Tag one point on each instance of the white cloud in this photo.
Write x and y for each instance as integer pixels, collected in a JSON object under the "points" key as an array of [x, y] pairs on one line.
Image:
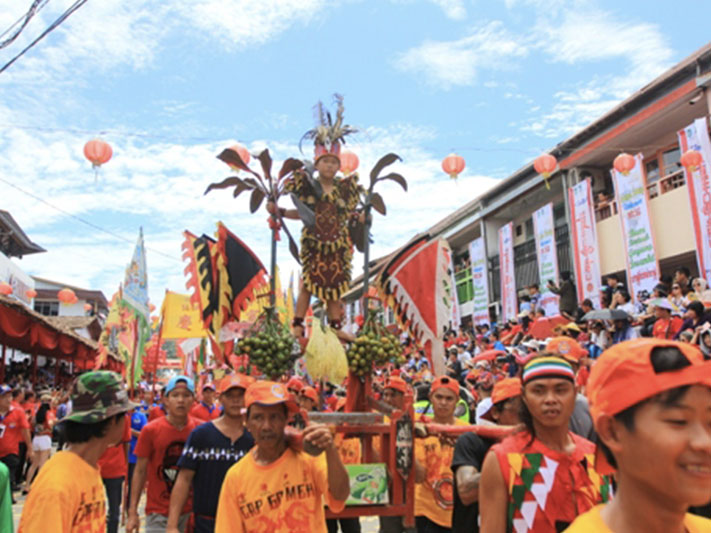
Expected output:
{"points": [[453, 9], [450, 63], [242, 23]]}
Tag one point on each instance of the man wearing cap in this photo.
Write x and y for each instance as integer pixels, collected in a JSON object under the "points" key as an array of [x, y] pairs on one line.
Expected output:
{"points": [[433, 457], [158, 449], [469, 453], [665, 326], [68, 496], [288, 487], [206, 409], [540, 479], [308, 399], [656, 434], [14, 428], [208, 454], [570, 350]]}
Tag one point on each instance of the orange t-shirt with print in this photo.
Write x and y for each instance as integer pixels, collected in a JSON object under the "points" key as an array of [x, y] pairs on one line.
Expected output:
{"points": [[68, 496], [592, 522], [434, 497], [286, 496]]}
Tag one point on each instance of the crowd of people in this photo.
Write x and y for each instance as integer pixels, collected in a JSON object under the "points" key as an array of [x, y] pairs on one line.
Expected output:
{"points": [[232, 455]]}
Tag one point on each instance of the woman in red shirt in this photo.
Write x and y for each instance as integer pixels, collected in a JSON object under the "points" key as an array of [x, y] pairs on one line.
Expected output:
{"points": [[42, 423]]}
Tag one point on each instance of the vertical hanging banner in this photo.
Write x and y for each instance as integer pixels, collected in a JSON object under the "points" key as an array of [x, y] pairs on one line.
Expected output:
{"points": [[698, 182], [547, 255], [454, 296], [633, 206], [586, 254], [477, 256], [506, 273]]}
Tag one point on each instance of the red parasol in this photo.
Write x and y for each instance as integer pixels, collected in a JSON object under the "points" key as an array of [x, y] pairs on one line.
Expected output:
{"points": [[488, 355], [543, 327]]}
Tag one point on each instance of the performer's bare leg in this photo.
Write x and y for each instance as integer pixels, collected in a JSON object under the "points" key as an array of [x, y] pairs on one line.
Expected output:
{"points": [[302, 305], [335, 313]]}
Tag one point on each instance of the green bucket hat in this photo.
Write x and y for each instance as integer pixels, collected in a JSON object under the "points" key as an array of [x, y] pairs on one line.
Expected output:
{"points": [[97, 396]]}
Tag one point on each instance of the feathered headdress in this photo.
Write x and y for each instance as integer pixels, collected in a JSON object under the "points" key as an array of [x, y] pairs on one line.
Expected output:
{"points": [[328, 135]]}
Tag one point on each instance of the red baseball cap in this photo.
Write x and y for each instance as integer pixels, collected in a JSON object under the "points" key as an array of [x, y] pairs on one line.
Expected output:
{"points": [[567, 347], [233, 381], [445, 382], [396, 383], [310, 393], [269, 393], [295, 383], [503, 390]]}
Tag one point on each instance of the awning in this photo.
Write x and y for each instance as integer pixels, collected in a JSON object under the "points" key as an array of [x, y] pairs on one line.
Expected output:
{"points": [[26, 330]]}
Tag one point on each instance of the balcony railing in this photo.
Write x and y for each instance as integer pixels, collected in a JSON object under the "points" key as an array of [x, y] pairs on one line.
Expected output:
{"points": [[667, 183]]}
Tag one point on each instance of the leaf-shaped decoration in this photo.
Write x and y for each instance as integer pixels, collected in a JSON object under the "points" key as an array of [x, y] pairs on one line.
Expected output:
{"points": [[386, 160], [266, 161], [378, 204], [357, 233], [289, 166], [306, 215], [252, 183], [396, 178], [239, 189], [228, 182], [256, 200], [232, 158], [293, 247]]}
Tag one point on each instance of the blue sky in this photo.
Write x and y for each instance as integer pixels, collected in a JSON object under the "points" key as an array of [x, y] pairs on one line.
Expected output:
{"points": [[170, 83]]}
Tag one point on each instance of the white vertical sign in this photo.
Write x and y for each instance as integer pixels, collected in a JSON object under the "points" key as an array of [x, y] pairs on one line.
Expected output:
{"points": [[480, 282], [506, 271], [698, 182], [587, 257], [633, 206], [547, 255]]}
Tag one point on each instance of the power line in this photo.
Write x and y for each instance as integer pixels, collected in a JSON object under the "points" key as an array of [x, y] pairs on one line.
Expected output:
{"points": [[64, 16], [23, 21], [84, 221]]}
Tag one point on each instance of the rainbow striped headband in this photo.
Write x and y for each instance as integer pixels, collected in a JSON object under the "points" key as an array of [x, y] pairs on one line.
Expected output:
{"points": [[547, 367]]}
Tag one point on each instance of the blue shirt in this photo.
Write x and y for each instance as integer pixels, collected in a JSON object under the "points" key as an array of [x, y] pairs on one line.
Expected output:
{"points": [[138, 420]]}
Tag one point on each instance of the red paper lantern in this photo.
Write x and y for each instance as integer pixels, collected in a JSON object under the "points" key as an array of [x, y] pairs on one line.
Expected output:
{"points": [[453, 165], [67, 296], [5, 288], [243, 153], [88, 307], [151, 307], [545, 164], [349, 162], [624, 163], [31, 293], [691, 159], [98, 152]]}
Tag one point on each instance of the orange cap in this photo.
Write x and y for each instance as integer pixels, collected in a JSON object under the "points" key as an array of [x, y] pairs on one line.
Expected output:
{"points": [[295, 383], [310, 393], [505, 389], [623, 375], [269, 393], [235, 381], [396, 383], [445, 382], [567, 347], [340, 404]]}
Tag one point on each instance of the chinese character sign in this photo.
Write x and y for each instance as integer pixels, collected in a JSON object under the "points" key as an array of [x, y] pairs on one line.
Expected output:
{"points": [[633, 206], [587, 257], [477, 256], [547, 255], [696, 137], [508, 278]]}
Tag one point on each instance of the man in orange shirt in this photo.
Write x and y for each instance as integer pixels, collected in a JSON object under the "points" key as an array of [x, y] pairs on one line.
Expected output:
{"points": [[666, 326], [288, 488], [434, 492], [655, 433], [68, 496], [14, 428]]}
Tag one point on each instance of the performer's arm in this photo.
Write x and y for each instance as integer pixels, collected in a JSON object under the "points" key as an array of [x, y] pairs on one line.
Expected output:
{"points": [[285, 213]]}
